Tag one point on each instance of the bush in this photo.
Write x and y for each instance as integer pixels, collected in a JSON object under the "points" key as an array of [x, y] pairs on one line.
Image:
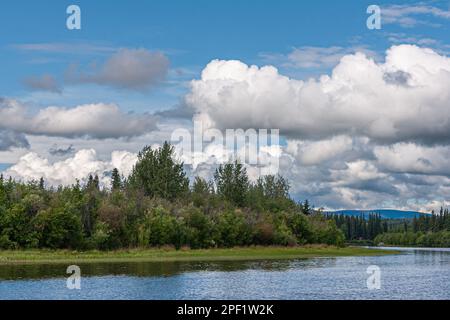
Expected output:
{"points": [[300, 227], [101, 237], [325, 231], [232, 229], [199, 229], [59, 229], [283, 236], [6, 243], [159, 228]]}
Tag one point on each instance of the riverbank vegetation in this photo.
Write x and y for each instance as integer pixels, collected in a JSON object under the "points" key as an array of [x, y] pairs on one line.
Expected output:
{"points": [[424, 231], [157, 206], [431, 230], [167, 254], [415, 239], [357, 228]]}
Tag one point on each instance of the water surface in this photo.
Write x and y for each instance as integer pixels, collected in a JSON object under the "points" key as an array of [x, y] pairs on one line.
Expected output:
{"points": [[413, 274]]}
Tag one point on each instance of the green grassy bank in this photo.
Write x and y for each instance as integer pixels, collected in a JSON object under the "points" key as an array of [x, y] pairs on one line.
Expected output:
{"points": [[162, 255]]}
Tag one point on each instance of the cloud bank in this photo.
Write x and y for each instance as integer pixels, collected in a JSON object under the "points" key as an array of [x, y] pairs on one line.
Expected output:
{"points": [[370, 134], [406, 98], [79, 167], [99, 121]]}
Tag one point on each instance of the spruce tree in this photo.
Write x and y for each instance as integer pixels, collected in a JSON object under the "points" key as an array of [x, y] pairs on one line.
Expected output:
{"points": [[116, 180]]}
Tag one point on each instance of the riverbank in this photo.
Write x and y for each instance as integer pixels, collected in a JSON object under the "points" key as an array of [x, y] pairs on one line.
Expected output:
{"points": [[162, 255]]}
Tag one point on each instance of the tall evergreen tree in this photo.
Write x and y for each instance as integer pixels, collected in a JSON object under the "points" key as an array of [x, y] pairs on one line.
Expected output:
{"points": [[116, 180]]}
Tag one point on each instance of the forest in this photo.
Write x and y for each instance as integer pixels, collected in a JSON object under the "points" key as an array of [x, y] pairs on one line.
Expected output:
{"points": [[424, 231], [157, 206], [432, 230]]}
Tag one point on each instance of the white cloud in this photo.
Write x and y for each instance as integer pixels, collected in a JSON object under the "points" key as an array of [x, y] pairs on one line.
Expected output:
{"points": [[369, 135], [314, 152], [412, 158], [360, 98], [32, 167], [357, 171], [124, 161], [92, 121], [258, 161]]}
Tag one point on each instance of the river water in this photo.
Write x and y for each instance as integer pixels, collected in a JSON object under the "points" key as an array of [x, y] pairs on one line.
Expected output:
{"points": [[412, 274]]}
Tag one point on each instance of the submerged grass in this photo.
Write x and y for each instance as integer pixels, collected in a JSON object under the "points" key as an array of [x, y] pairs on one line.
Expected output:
{"points": [[168, 254]]}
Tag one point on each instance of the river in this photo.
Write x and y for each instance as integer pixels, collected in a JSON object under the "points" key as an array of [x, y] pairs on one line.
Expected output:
{"points": [[412, 274]]}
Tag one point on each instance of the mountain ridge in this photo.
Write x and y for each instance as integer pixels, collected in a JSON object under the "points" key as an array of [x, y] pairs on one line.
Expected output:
{"points": [[384, 213]]}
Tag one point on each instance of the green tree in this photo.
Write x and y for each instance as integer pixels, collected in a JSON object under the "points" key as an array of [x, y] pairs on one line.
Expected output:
{"points": [[201, 191], [59, 229], [116, 180], [158, 174], [199, 229], [160, 228], [233, 229], [306, 207], [232, 183]]}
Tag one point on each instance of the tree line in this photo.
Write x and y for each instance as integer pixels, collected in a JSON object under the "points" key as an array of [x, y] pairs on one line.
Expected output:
{"points": [[157, 206], [360, 227], [431, 230], [424, 231], [432, 223]]}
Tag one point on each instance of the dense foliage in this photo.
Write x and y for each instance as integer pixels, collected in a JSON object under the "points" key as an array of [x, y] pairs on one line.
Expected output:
{"points": [[424, 231], [361, 227], [420, 239], [432, 223], [156, 206], [432, 230]]}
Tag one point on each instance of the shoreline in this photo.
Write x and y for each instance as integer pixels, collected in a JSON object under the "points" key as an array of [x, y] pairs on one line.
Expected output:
{"points": [[21, 257]]}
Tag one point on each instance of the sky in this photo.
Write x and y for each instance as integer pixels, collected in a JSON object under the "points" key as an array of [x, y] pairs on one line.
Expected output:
{"points": [[363, 114]]}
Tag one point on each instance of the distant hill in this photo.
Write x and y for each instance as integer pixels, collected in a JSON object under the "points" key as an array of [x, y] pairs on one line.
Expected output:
{"points": [[384, 213]]}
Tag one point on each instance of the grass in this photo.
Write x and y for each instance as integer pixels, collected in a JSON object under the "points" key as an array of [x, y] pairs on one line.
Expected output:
{"points": [[169, 255]]}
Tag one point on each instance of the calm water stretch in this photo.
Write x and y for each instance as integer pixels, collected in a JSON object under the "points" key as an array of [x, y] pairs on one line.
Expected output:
{"points": [[413, 274]]}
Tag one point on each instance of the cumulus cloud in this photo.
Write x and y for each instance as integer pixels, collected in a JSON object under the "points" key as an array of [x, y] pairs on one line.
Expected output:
{"points": [[356, 172], [32, 167], [412, 158], [92, 121], [369, 135], [133, 69], [45, 82], [314, 152], [258, 159], [406, 98]]}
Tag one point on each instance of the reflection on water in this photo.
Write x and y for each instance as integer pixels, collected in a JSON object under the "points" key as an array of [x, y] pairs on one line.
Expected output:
{"points": [[413, 274], [425, 256], [153, 269]]}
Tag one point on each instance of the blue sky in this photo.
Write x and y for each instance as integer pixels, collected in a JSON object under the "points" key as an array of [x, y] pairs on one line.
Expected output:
{"points": [[190, 34], [385, 160]]}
